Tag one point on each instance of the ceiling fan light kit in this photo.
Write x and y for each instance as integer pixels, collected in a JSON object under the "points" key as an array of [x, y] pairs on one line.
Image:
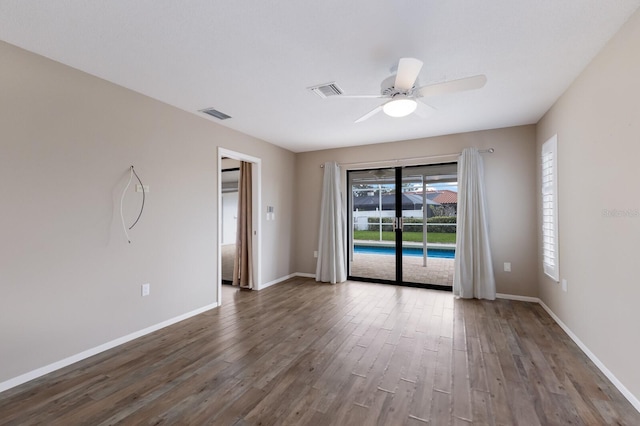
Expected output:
{"points": [[400, 106]]}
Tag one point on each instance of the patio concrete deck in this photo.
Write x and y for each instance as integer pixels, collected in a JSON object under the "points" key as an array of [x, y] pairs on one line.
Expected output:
{"points": [[438, 271]]}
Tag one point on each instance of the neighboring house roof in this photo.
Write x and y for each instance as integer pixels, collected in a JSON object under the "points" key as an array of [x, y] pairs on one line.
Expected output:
{"points": [[371, 202], [431, 195], [443, 196], [446, 197]]}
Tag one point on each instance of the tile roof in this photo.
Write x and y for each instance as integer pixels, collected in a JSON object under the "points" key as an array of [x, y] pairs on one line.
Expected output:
{"points": [[446, 197]]}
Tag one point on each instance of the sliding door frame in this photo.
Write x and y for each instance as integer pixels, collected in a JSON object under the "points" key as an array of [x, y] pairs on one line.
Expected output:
{"points": [[398, 175]]}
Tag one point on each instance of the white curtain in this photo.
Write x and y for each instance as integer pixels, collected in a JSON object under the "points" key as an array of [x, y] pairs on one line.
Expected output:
{"points": [[331, 266], [473, 268]]}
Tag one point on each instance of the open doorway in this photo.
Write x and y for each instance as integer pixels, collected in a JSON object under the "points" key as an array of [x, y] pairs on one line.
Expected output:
{"points": [[228, 200]]}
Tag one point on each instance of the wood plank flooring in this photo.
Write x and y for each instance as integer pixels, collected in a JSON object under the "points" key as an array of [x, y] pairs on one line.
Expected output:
{"points": [[302, 353]]}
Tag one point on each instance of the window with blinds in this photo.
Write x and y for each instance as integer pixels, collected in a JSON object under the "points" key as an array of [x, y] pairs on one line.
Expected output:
{"points": [[550, 208]]}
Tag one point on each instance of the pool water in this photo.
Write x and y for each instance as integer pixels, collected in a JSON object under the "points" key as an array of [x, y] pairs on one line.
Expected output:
{"points": [[406, 251]]}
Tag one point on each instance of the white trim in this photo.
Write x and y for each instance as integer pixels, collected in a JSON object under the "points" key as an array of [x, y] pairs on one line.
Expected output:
{"points": [[304, 274], [286, 277], [550, 189], [276, 281], [219, 231], [517, 297], [617, 383], [23, 378], [34, 374]]}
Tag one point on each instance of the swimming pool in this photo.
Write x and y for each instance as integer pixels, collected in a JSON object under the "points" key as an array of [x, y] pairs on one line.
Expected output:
{"points": [[406, 251]]}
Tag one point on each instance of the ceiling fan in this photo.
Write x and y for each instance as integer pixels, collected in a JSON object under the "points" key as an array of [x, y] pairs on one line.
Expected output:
{"points": [[404, 96]]}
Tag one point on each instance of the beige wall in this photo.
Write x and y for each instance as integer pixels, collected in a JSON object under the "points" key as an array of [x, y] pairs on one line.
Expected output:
{"points": [[68, 279], [510, 182], [598, 125]]}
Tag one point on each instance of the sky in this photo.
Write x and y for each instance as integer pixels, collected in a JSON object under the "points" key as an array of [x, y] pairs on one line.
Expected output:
{"points": [[440, 186]]}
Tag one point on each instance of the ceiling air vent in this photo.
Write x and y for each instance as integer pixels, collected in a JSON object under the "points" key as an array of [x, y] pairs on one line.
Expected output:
{"points": [[326, 90], [215, 113]]}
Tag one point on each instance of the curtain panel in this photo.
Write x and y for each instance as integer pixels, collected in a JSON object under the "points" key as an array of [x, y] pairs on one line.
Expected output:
{"points": [[331, 266], [473, 276]]}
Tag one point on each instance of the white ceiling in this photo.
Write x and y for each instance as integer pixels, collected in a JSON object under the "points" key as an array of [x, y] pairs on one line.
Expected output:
{"points": [[254, 59]]}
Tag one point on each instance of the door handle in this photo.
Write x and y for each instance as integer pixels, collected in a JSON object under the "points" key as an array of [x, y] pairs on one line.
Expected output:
{"points": [[398, 223]]}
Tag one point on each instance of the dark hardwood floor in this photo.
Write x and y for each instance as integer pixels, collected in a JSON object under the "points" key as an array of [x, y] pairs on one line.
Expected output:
{"points": [[349, 354]]}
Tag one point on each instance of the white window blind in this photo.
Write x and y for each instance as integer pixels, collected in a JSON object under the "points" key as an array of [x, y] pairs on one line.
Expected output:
{"points": [[550, 208]]}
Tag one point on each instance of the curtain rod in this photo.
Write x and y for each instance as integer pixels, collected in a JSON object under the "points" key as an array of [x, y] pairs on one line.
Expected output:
{"points": [[399, 160]]}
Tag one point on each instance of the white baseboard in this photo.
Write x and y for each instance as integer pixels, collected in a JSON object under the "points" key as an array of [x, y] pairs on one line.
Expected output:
{"points": [[276, 281], [516, 297], [23, 378], [617, 383], [304, 274], [286, 277]]}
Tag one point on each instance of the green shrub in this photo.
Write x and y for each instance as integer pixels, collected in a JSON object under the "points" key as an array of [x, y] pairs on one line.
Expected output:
{"points": [[412, 228], [443, 228]]}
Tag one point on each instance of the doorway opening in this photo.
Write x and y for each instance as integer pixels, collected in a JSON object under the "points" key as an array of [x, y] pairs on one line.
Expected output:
{"points": [[402, 225], [228, 215]]}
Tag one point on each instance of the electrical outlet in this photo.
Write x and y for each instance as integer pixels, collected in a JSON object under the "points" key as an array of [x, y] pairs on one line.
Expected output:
{"points": [[146, 289], [139, 188], [564, 285], [507, 266]]}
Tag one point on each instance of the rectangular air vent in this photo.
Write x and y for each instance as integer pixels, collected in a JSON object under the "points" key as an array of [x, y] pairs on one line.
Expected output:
{"points": [[326, 90], [215, 113]]}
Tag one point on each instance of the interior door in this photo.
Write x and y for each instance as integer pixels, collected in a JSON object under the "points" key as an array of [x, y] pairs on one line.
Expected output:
{"points": [[400, 232]]}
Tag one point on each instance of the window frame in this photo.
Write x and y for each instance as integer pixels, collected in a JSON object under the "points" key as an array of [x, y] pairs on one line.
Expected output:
{"points": [[549, 200]]}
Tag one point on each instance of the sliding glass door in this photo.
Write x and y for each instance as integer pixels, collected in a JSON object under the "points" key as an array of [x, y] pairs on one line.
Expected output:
{"points": [[372, 251], [403, 225]]}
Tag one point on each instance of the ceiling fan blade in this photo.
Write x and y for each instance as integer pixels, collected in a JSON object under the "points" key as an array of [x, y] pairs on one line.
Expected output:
{"points": [[369, 114], [408, 70], [424, 110], [468, 83]]}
